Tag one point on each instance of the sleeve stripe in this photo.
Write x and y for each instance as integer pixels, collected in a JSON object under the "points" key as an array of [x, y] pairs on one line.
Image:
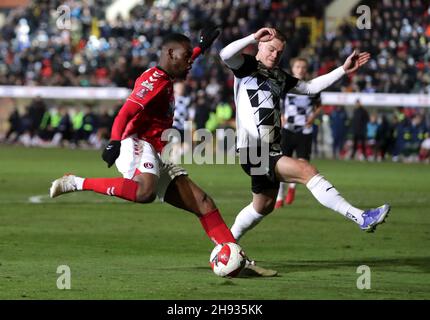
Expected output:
{"points": [[136, 102]]}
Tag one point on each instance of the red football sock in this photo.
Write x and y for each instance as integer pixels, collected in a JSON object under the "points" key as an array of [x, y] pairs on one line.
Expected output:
{"points": [[118, 187], [216, 228]]}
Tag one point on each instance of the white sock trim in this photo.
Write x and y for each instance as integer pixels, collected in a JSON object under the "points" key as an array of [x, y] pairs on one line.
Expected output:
{"points": [[314, 181], [79, 183], [254, 213]]}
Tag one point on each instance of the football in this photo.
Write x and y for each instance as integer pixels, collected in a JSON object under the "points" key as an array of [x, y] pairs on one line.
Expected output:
{"points": [[227, 259]]}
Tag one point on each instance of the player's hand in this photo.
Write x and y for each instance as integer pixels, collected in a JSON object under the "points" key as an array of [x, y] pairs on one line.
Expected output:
{"points": [[355, 61], [207, 36], [111, 152], [309, 124], [265, 34]]}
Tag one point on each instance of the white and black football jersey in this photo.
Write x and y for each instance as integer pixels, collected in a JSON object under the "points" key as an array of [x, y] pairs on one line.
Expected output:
{"points": [[297, 110], [258, 92], [181, 113]]}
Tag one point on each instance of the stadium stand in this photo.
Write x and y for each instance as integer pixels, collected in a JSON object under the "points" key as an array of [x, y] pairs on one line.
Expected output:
{"points": [[112, 53]]}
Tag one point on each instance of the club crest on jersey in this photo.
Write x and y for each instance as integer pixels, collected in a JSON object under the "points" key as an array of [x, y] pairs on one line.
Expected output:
{"points": [[142, 93], [149, 86], [148, 165]]}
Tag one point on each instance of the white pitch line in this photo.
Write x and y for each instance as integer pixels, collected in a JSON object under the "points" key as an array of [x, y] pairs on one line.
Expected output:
{"points": [[37, 199], [44, 198]]}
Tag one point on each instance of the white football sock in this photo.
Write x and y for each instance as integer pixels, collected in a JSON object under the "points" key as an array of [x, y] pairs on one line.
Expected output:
{"points": [[292, 186], [281, 191], [247, 219], [79, 183], [329, 197]]}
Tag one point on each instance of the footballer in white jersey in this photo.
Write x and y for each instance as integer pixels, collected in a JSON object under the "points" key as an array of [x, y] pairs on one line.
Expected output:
{"points": [[259, 85]]}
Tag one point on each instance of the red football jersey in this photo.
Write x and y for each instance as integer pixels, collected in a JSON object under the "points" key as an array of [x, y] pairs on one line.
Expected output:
{"points": [[153, 93]]}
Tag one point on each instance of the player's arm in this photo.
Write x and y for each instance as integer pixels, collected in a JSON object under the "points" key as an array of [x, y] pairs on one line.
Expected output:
{"points": [[316, 85], [313, 115], [232, 53], [139, 99], [284, 103], [126, 113]]}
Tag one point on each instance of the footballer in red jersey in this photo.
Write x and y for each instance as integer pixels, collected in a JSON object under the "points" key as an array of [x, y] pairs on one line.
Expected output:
{"points": [[136, 144]]}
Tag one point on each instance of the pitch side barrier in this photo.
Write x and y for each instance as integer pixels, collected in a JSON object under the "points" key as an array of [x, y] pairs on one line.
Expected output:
{"points": [[115, 93]]}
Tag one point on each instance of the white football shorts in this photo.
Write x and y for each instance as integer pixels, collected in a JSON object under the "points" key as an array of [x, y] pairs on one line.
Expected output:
{"points": [[140, 156]]}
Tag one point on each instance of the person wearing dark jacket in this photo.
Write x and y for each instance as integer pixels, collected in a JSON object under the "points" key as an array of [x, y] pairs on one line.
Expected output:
{"points": [[339, 128], [14, 125], [360, 118]]}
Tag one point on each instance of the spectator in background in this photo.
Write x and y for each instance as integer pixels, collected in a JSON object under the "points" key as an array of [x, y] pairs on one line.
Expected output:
{"points": [[48, 126], [339, 129], [89, 126], [63, 132], [37, 110], [85, 127], [384, 138], [14, 126], [372, 129], [203, 108], [418, 131], [409, 146], [105, 121], [360, 118], [401, 124]]}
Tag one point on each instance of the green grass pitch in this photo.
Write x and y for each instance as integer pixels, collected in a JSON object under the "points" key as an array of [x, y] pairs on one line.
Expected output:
{"points": [[121, 250]]}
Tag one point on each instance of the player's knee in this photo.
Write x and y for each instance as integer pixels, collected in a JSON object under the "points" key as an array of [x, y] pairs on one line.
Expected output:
{"points": [[146, 196], [266, 206], [308, 170]]}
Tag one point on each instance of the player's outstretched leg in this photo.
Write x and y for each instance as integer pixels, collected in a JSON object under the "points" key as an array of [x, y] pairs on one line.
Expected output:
{"points": [[141, 189], [300, 171], [185, 194], [262, 204]]}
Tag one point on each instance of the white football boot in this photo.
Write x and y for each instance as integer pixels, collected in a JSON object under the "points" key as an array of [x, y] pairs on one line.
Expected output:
{"points": [[65, 184]]}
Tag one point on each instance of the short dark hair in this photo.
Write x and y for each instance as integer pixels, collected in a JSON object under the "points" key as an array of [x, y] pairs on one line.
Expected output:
{"points": [[280, 35], [175, 38]]}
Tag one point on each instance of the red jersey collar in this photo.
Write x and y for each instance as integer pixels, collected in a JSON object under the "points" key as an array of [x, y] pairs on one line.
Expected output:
{"points": [[164, 72]]}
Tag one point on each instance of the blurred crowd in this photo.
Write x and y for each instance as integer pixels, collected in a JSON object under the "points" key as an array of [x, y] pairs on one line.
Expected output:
{"points": [[93, 51], [399, 43], [98, 52]]}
